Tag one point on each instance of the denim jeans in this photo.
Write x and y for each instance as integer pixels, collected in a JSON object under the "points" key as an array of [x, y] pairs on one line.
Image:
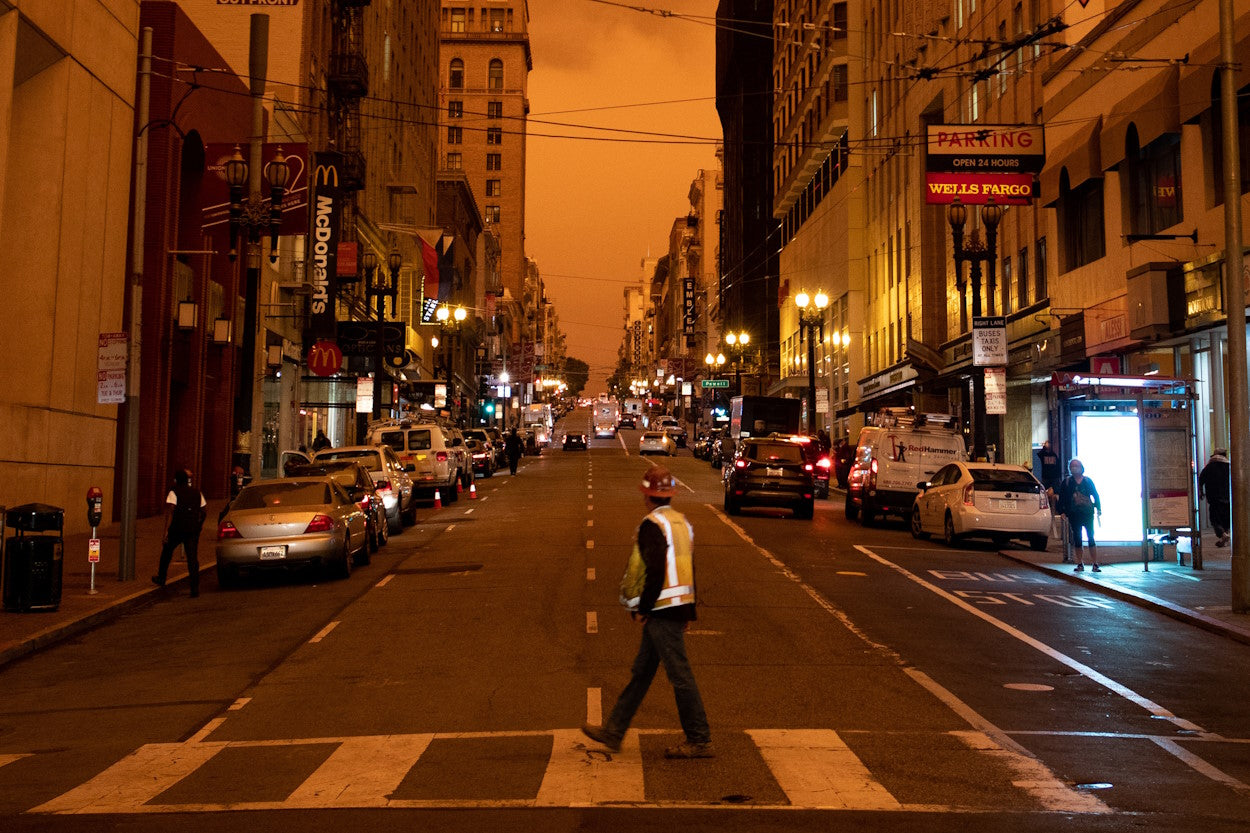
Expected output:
{"points": [[663, 640]]}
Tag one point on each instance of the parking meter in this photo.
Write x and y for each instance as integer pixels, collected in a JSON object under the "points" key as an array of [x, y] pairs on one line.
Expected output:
{"points": [[95, 506]]}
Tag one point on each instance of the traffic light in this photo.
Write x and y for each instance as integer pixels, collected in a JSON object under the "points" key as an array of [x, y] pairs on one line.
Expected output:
{"points": [[489, 408]]}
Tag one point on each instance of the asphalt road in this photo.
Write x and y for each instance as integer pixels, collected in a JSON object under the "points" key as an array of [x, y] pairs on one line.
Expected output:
{"points": [[854, 679]]}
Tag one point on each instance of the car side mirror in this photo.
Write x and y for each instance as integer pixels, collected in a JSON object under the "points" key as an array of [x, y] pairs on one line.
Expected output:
{"points": [[923, 485]]}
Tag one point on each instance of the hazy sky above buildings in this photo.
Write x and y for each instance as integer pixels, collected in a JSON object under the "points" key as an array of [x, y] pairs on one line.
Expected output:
{"points": [[595, 208]]}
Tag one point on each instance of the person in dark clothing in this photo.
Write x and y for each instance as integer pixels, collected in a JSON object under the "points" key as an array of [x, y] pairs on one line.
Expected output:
{"points": [[844, 457], [513, 449], [320, 441], [1078, 500], [1052, 470], [1214, 482], [185, 510], [658, 588]]}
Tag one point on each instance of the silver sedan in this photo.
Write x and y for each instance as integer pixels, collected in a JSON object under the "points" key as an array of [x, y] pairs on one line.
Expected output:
{"points": [[293, 522], [656, 442]]}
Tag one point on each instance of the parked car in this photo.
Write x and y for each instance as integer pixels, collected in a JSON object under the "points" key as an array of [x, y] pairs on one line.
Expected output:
{"points": [[574, 442], [769, 471], [497, 442], [989, 500], [721, 450], [821, 463], [360, 487], [393, 481], [288, 523], [482, 456], [656, 442], [484, 436], [428, 449]]}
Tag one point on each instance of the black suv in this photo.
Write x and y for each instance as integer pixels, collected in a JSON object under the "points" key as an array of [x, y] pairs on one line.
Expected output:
{"points": [[769, 472]]}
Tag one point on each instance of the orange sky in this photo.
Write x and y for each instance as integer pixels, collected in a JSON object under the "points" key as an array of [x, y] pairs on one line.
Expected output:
{"points": [[593, 208]]}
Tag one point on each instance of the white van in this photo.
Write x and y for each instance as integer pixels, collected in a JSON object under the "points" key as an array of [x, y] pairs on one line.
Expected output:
{"points": [[431, 450], [900, 450]]}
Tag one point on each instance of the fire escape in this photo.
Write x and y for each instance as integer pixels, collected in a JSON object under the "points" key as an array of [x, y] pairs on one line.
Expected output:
{"points": [[348, 83]]}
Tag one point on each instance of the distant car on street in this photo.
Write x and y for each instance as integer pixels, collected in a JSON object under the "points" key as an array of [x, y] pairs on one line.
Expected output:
{"points": [[574, 442], [656, 442]]}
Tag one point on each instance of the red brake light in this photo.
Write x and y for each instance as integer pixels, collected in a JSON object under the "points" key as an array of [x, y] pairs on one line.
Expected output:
{"points": [[740, 464], [968, 499], [383, 485], [824, 462], [441, 456], [225, 530], [873, 467], [320, 523]]}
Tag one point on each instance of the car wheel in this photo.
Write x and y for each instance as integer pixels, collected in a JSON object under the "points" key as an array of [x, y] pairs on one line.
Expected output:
{"points": [[852, 511], [396, 526], [868, 513], [361, 557], [805, 510], [227, 576], [948, 531], [1038, 543], [917, 527], [450, 494], [372, 535], [384, 532], [342, 566], [1000, 541]]}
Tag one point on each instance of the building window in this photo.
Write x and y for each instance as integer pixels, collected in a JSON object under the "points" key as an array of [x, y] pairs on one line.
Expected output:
{"points": [[456, 21], [1217, 142], [1154, 184], [494, 188], [456, 78], [1004, 280], [492, 214], [1081, 223], [455, 109], [494, 22], [494, 109], [494, 135], [455, 135], [1040, 276], [454, 161], [1022, 279], [839, 20], [494, 162], [495, 74], [839, 82]]}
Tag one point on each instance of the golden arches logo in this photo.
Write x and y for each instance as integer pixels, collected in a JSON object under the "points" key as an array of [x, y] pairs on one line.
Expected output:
{"points": [[326, 175]]}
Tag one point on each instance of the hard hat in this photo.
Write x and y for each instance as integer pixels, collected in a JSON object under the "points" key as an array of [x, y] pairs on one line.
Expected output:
{"points": [[658, 482]]}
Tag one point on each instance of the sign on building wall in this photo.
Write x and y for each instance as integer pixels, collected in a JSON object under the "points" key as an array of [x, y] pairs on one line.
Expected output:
{"points": [[323, 240], [989, 341], [215, 193], [995, 390], [687, 305], [976, 163]]}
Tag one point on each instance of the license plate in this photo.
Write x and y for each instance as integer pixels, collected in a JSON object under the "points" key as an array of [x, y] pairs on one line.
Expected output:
{"points": [[1009, 505], [772, 472], [272, 553]]}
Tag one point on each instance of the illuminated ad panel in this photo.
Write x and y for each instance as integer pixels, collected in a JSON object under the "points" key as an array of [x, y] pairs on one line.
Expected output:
{"points": [[977, 163]]}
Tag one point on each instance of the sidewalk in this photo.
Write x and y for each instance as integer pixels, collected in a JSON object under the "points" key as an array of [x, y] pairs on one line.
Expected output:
{"points": [[25, 633]]}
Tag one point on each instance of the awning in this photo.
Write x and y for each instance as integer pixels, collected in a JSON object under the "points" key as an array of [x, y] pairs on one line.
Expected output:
{"points": [[1194, 87], [1078, 155], [1152, 108]]}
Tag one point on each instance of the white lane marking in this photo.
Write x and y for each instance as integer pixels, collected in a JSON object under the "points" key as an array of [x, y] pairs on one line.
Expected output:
{"points": [[483, 497], [590, 507], [590, 523], [815, 768], [361, 772], [624, 447], [449, 528], [8, 759], [592, 622], [851, 573], [1034, 777], [135, 780], [1080, 667], [1200, 766], [385, 580], [594, 706], [590, 544], [239, 704], [683, 483], [468, 511], [206, 730], [580, 774], [324, 632], [589, 496], [590, 574]]}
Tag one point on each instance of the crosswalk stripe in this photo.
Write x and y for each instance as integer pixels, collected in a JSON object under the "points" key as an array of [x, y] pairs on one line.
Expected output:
{"points": [[135, 780], [1034, 777], [815, 768], [578, 776], [361, 772], [8, 759]]}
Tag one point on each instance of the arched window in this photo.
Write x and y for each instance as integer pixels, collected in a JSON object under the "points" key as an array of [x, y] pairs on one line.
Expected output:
{"points": [[456, 77], [495, 74]]}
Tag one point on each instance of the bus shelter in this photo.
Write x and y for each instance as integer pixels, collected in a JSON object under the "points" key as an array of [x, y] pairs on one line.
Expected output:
{"points": [[1137, 438]]}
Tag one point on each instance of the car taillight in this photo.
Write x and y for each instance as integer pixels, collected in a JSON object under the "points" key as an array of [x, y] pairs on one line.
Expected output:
{"points": [[808, 467], [479, 456], [320, 523], [1043, 500], [383, 485], [364, 504], [225, 530], [441, 456], [824, 462], [873, 466], [968, 501], [741, 464]]}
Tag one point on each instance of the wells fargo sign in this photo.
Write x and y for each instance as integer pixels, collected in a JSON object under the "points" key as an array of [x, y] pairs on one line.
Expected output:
{"points": [[973, 189], [977, 163]]}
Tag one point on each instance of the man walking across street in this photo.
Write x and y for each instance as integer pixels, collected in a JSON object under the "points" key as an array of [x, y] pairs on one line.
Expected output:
{"points": [[658, 589], [513, 450], [1215, 484], [185, 510]]}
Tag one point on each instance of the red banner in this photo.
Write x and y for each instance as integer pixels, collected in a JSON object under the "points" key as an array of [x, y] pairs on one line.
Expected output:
{"points": [[429, 259]]}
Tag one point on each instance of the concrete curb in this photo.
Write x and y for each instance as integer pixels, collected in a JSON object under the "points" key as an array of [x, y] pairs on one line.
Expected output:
{"points": [[1175, 611]]}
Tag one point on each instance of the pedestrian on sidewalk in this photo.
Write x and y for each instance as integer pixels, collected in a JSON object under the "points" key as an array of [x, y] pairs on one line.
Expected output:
{"points": [[1052, 469], [1078, 502], [844, 457], [1215, 483], [185, 510], [321, 441], [658, 590], [513, 450]]}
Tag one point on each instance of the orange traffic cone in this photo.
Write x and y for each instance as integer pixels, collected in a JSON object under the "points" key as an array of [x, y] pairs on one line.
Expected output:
{"points": [[438, 500], [472, 491], [459, 486]]}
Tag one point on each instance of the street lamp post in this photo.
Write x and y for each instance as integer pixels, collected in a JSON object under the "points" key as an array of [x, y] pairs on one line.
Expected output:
{"points": [[737, 347], [811, 319], [714, 363], [449, 318], [975, 253], [380, 289]]}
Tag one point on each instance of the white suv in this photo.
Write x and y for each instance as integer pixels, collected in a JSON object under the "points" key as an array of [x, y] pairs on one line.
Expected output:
{"points": [[426, 446]]}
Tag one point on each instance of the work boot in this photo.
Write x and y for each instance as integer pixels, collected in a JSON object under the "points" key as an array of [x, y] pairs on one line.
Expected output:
{"points": [[600, 735], [686, 749], [159, 581]]}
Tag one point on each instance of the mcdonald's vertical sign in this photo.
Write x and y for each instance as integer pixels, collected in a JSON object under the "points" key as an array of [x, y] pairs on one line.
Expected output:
{"points": [[326, 202]]}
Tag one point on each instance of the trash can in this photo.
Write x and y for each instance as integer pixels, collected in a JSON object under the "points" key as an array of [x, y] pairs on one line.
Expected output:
{"points": [[33, 557]]}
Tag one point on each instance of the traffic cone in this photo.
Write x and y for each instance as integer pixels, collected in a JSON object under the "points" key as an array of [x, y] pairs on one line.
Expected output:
{"points": [[473, 491], [438, 500], [459, 487]]}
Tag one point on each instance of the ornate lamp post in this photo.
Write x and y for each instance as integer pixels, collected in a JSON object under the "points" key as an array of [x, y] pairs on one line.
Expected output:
{"points": [[714, 363], [380, 288], [449, 318], [976, 253], [811, 318], [737, 347]]}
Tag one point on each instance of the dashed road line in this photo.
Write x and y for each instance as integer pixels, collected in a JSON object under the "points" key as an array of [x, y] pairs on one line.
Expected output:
{"points": [[590, 545], [592, 622], [239, 704], [385, 580], [590, 574], [324, 632]]}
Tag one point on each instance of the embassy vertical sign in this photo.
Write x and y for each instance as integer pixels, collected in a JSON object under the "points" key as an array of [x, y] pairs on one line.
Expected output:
{"points": [[976, 163], [326, 213]]}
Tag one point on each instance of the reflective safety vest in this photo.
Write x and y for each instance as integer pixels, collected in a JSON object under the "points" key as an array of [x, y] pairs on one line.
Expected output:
{"points": [[679, 563]]}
